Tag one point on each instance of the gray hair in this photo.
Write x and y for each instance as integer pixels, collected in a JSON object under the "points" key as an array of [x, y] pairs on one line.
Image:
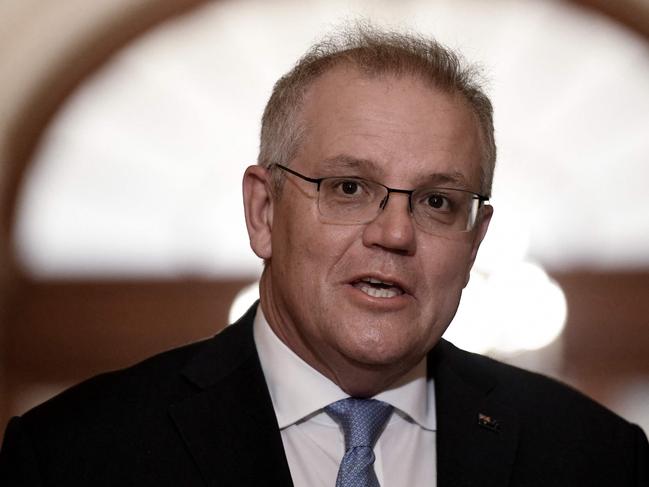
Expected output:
{"points": [[373, 52]]}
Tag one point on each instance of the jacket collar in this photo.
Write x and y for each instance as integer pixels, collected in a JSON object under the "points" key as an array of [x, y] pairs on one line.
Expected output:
{"points": [[229, 425]]}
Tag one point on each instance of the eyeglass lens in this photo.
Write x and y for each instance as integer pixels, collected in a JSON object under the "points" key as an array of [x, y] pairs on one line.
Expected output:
{"points": [[356, 200]]}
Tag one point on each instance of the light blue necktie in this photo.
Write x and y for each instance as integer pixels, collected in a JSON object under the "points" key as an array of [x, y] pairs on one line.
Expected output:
{"points": [[362, 421]]}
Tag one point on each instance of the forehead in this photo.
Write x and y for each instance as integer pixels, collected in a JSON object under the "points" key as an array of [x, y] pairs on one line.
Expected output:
{"points": [[394, 127]]}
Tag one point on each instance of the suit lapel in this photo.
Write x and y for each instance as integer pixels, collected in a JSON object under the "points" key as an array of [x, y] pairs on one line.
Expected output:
{"points": [[477, 435], [229, 425], [230, 428]]}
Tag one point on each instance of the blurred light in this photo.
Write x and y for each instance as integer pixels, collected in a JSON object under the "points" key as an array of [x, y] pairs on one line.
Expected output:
{"points": [[242, 301], [515, 308], [632, 402]]}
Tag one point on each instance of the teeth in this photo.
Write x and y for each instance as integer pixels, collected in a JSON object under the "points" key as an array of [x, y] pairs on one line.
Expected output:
{"points": [[371, 280], [379, 292]]}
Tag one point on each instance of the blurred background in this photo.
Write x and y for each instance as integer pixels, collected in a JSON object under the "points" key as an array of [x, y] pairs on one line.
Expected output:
{"points": [[125, 128]]}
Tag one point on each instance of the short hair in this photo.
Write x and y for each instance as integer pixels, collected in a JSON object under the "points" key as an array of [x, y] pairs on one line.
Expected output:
{"points": [[373, 52]]}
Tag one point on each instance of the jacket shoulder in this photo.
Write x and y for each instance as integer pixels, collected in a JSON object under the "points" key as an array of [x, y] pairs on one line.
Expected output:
{"points": [[117, 425], [162, 379], [558, 436], [536, 395]]}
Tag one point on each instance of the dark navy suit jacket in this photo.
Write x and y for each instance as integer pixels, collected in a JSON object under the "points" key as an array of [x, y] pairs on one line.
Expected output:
{"points": [[201, 415]]}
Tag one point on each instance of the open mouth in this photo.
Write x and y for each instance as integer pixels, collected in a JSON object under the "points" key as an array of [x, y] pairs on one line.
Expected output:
{"points": [[377, 288]]}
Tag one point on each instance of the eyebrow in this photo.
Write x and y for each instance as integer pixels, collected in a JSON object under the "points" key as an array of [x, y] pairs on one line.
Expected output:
{"points": [[455, 178], [343, 162]]}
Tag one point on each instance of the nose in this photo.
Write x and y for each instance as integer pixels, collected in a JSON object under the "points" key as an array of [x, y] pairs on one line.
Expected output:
{"points": [[393, 228]]}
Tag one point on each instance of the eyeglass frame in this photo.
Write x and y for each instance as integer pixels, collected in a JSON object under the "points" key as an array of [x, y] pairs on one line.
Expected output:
{"points": [[482, 199]]}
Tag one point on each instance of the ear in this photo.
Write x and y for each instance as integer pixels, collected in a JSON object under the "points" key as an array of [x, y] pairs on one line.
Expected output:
{"points": [[486, 212], [258, 208]]}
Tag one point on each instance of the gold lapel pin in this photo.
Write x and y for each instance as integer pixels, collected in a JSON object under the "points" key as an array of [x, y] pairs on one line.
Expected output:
{"points": [[488, 422]]}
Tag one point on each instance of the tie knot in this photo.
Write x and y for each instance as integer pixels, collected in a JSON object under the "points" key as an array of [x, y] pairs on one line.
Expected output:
{"points": [[362, 420]]}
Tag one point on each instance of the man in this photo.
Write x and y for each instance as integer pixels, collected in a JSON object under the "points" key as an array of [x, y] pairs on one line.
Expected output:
{"points": [[368, 207]]}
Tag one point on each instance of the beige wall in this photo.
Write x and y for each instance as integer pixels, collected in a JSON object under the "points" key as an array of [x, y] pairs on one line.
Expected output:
{"points": [[36, 41], [36, 37], [46, 49]]}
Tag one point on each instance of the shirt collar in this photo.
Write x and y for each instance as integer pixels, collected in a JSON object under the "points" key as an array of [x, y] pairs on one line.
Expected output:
{"points": [[288, 377], [414, 395]]}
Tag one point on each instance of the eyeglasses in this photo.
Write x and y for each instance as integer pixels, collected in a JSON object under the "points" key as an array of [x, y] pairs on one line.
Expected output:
{"points": [[354, 200]]}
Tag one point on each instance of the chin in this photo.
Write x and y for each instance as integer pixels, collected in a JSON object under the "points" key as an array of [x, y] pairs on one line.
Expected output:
{"points": [[378, 354]]}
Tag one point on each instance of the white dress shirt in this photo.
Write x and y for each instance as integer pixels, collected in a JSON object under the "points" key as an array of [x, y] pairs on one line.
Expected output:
{"points": [[314, 443]]}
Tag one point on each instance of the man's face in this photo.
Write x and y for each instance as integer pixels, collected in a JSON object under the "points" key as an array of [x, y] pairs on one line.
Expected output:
{"points": [[404, 134]]}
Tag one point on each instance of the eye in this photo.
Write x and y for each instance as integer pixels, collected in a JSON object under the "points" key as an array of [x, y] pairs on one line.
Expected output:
{"points": [[348, 190], [438, 202], [349, 187]]}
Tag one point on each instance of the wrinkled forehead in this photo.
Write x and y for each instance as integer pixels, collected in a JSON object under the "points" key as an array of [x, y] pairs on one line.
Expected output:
{"points": [[377, 125], [349, 165]]}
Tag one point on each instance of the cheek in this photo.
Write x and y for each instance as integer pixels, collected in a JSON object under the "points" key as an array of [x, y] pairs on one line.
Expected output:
{"points": [[445, 260], [307, 252], [444, 271]]}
